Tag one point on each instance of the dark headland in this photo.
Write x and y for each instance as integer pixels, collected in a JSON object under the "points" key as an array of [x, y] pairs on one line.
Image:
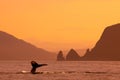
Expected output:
{"points": [[12, 48], [106, 49], [108, 46]]}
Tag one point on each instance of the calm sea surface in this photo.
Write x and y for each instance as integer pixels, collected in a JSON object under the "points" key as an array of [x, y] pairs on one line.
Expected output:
{"points": [[66, 70]]}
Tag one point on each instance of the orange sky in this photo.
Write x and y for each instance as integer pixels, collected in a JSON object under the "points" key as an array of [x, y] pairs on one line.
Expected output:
{"points": [[58, 24]]}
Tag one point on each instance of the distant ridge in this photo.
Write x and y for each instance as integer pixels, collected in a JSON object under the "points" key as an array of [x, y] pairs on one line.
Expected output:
{"points": [[12, 48]]}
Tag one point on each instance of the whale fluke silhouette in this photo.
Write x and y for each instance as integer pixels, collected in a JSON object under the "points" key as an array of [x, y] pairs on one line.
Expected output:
{"points": [[35, 65]]}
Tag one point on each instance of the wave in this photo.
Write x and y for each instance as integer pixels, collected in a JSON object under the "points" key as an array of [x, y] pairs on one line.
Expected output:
{"points": [[49, 72], [58, 72], [42, 72], [96, 72]]}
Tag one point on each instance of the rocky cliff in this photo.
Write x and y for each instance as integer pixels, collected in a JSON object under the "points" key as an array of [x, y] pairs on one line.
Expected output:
{"points": [[108, 46]]}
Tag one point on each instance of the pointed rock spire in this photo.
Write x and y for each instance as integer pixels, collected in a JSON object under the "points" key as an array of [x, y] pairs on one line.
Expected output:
{"points": [[60, 56]]}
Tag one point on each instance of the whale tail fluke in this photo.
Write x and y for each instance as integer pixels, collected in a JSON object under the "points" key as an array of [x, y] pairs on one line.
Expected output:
{"points": [[35, 65]]}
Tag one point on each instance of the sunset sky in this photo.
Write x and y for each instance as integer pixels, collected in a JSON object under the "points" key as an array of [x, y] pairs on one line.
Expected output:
{"points": [[58, 24]]}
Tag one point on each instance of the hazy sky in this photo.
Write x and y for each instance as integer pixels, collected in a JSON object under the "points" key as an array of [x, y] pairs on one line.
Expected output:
{"points": [[58, 24]]}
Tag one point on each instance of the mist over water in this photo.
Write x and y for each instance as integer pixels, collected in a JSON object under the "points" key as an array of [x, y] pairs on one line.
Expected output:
{"points": [[66, 70]]}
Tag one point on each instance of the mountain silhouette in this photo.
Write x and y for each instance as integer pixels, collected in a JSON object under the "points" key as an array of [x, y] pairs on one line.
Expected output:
{"points": [[12, 48], [108, 46]]}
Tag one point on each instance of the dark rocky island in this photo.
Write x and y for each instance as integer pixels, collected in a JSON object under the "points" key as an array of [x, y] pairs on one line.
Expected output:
{"points": [[60, 56], [12, 48], [72, 56]]}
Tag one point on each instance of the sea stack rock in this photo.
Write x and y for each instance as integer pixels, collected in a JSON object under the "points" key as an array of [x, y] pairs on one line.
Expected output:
{"points": [[72, 56], [60, 56], [108, 47]]}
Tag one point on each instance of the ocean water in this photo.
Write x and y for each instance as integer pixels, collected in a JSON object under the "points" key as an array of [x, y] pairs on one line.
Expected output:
{"points": [[66, 70]]}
